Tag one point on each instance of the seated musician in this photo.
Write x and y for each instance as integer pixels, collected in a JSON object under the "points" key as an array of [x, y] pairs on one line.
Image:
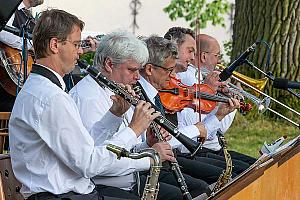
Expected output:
{"points": [[155, 76], [208, 57], [17, 20], [119, 57], [52, 153], [219, 119]]}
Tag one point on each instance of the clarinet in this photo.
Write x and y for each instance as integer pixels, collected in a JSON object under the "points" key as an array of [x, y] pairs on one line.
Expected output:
{"points": [[190, 144], [174, 166]]}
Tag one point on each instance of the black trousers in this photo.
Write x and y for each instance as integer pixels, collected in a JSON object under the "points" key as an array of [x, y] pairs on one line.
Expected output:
{"points": [[201, 170], [166, 191], [109, 191], [234, 155], [169, 187], [208, 166], [218, 160], [195, 186], [70, 196]]}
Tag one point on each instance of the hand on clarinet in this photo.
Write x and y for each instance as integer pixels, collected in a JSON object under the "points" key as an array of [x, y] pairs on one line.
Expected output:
{"points": [[202, 131], [165, 152], [143, 115], [152, 138], [120, 105]]}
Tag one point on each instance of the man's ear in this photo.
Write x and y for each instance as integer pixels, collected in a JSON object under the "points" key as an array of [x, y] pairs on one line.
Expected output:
{"points": [[108, 65], [202, 57], [148, 69], [53, 45]]}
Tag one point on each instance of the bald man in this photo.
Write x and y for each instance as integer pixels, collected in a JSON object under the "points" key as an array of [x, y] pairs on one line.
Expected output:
{"points": [[208, 56], [208, 52]]}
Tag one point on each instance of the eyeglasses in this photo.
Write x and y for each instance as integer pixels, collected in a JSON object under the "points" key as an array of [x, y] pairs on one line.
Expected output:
{"points": [[218, 55], [77, 45], [164, 68]]}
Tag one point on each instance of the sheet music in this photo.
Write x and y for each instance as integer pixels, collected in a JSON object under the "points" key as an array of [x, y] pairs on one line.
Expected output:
{"points": [[290, 143]]}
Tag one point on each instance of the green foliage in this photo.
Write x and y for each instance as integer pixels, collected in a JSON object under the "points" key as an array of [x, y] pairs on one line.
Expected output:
{"points": [[198, 9], [89, 57]]}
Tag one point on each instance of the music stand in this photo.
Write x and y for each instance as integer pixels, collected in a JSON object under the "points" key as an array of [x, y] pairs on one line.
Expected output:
{"points": [[7, 8]]}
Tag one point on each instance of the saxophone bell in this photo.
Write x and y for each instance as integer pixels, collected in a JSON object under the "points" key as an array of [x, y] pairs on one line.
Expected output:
{"points": [[119, 151], [152, 186]]}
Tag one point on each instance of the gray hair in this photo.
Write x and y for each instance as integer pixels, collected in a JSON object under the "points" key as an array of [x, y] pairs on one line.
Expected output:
{"points": [[160, 48], [120, 47]]}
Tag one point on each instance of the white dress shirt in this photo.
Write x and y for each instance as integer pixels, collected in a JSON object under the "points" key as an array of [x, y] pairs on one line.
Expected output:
{"points": [[189, 77], [51, 151], [11, 39], [93, 102], [188, 116]]}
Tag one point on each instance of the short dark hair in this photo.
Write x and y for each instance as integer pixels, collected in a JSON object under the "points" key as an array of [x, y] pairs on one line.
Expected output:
{"points": [[178, 34], [53, 23]]}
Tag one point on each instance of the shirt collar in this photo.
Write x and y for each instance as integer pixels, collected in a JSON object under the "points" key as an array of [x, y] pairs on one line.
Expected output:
{"points": [[61, 80], [149, 89], [22, 5]]}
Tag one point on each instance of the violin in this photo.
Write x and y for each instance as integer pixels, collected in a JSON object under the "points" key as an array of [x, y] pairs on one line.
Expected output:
{"points": [[178, 96]]}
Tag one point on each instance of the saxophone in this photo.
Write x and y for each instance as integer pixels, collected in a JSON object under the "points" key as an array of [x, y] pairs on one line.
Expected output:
{"points": [[152, 186], [226, 174]]}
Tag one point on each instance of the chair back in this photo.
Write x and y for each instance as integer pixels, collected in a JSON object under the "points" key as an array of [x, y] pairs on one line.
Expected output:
{"points": [[9, 185], [4, 119]]}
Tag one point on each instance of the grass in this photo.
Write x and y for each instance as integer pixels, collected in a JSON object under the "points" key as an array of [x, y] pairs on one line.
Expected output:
{"points": [[248, 133]]}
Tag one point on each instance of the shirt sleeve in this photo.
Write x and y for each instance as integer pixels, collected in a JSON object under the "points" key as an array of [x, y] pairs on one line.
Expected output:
{"points": [[141, 145], [227, 121], [99, 121], [212, 124], [73, 145], [188, 117], [108, 124]]}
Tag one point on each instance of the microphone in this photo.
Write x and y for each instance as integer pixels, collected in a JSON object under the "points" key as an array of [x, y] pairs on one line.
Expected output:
{"points": [[227, 72], [281, 83]]}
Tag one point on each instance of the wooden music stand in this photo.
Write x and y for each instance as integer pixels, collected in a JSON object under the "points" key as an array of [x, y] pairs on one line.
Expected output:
{"points": [[274, 177]]}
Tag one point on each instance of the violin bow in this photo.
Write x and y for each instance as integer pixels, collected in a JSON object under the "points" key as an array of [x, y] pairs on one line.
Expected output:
{"points": [[197, 61]]}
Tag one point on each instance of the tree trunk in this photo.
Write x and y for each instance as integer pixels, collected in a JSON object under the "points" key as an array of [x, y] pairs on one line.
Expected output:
{"points": [[276, 22]]}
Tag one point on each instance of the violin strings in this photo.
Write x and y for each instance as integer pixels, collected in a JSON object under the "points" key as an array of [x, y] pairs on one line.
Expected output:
{"points": [[210, 97]]}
